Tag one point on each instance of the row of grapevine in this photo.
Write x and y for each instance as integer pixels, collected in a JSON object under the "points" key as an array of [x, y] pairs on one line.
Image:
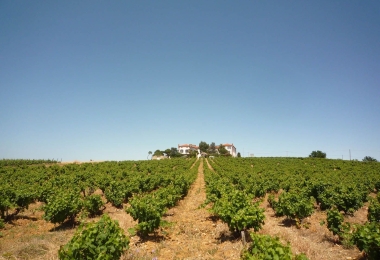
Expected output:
{"points": [[297, 186], [60, 186], [366, 237], [25, 162], [236, 208], [342, 184], [232, 205], [69, 191], [148, 208]]}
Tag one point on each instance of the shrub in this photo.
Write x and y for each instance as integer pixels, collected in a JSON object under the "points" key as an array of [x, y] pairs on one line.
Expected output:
{"points": [[92, 204], [235, 209], [101, 240], [301, 257], [147, 211], [374, 211], [294, 204], [369, 159], [115, 194], [336, 225], [266, 247], [24, 196], [65, 204], [334, 221], [347, 199], [6, 197], [367, 239], [317, 154]]}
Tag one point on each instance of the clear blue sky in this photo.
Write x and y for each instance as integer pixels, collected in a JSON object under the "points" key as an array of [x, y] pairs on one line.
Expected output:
{"points": [[112, 80]]}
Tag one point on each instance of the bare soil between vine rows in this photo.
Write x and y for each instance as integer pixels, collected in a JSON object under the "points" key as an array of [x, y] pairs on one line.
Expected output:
{"points": [[190, 232]]}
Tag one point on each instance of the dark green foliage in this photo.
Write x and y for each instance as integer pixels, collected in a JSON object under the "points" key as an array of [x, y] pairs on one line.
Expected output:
{"points": [[212, 148], [2, 225], [23, 184], [334, 221], [369, 159], [158, 153], [293, 204], [24, 196], [374, 210], [115, 193], [301, 257], [24, 162], [235, 209], [222, 150], [214, 189], [63, 205], [92, 204], [272, 201], [172, 152], [317, 154], [20, 197], [6, 196], [169, 196], [367, 239], [345, 198], [46, 191], [265, 247], [148, 208], [203, 146], [101, 240], [258, 190], [192, 154], [147, 211]]}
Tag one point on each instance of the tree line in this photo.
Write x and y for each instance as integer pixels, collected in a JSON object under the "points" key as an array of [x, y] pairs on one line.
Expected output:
{"points": [[320, 154]]}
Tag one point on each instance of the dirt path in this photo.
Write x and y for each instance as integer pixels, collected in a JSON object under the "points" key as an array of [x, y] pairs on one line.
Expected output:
{"points": [[192, 233]]}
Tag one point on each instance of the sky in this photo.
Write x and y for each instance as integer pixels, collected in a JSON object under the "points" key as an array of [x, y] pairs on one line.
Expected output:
{"points": [[113, 80]]}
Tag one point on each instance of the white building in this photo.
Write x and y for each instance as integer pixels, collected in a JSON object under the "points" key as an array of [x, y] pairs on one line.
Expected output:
{"points": [[231, 149], [186, 148]]}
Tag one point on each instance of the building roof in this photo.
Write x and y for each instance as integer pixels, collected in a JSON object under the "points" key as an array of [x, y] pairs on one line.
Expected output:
{"points": [[217, 146], [196, 146], [188, 145]]}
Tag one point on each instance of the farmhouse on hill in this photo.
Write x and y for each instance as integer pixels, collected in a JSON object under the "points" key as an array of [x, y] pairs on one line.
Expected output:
{"points": [[186, 148]]}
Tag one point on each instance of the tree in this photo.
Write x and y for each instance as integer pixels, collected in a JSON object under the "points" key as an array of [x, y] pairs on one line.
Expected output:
{"points": [[174, 152], [238, 155], [203, 146], [369, 159], [149, 153], [192, 154], [317, 154], [167, 152], [158, 153], [223, 150], [212, 148]]}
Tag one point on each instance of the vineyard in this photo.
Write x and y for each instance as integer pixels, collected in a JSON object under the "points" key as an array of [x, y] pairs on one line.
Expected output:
{"points": [[221, 208]]}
